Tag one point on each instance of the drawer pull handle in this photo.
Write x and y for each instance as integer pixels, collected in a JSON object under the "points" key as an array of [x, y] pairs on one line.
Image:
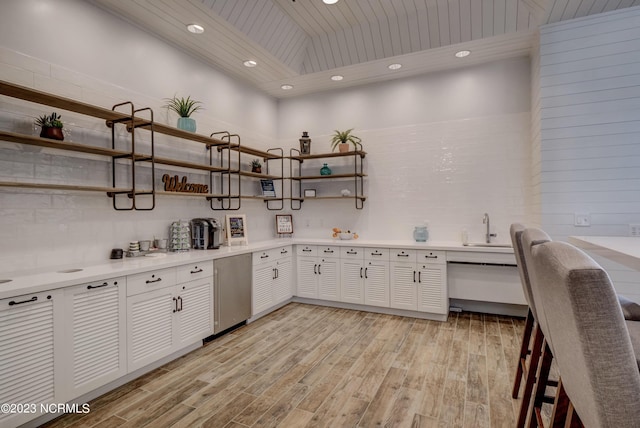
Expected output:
{"points": [[365, 273], [360, 272], [403, 255], [175, 305], [33, 299], [197, 271], [319, 273], [266, 256], [414, 276], [328, 251], [151, 281], [180, 300], [315, 269], [91, 287], [283, 252], [306, 250], [431, 257], [420, 277], [352, 252], [376, 254]]}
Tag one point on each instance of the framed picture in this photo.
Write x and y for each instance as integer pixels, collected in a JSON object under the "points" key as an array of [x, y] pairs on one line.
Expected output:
{"points": [[309, 193], [284, 223], [236, 229], [268, 189]]}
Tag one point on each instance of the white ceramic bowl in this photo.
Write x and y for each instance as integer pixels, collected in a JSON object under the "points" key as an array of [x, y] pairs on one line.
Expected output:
{"points": [[345, 236]]}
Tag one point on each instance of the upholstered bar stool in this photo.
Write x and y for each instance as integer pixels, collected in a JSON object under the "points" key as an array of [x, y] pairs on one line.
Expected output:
{"points": [[537, 376], [591, 343]]}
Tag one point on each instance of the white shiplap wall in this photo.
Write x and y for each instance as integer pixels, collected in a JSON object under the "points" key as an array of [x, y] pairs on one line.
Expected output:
{"points": [[534, 207], [590, 128]]}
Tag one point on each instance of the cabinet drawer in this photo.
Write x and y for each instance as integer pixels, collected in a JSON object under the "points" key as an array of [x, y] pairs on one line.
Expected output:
{"points": [[352, 253], [306, 250], [400, 255], [193, 271], [376, 254], [281, 252], [152, 280], [328, 251], [426, 256]]}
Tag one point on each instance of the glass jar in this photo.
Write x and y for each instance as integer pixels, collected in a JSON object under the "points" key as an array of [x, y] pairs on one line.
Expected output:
{"points": [[420, 234], [325, 170]]}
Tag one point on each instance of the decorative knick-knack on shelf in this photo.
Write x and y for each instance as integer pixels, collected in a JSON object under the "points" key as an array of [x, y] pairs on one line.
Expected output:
{"points": [[256, 166], [305, 143], [51, 126], [185, 107], [325, 170]]}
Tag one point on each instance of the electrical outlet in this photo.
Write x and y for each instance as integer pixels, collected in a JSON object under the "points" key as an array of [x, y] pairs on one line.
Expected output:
{"points": [[634, 230], [582, 219]]}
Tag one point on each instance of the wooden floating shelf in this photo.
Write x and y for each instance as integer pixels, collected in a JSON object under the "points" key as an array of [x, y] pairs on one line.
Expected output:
{"points": [[302, 158], [196, 195], [190, 165], [259, 175], [326, 177], [362, 198], [64, 187], [60, 145], [39, 97]]}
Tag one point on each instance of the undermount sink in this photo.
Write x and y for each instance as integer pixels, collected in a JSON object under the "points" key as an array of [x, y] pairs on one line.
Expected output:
{"points": [[70, 270], [483, 244], [3, 281]]}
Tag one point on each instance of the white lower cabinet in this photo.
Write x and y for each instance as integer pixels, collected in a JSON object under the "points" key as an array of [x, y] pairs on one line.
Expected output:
{"points": [[365, 276], [418, 281], [168, 318], [319, 272], [94, 346], [272, 281], [29, 332]]}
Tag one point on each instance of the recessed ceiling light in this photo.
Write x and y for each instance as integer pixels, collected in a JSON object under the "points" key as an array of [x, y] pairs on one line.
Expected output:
{"points": [[286, 87], [337, 77], [330, 1], [250, 63], [195, 28], [462, 54], [395, 66]]}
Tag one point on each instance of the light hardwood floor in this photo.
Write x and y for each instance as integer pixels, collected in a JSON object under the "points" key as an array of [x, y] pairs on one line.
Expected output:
{"points": [[313, 366]]}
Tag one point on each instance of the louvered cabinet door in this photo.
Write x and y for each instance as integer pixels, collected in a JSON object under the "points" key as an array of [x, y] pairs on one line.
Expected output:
{"points": [[352, 281], [262, 288], [307, 277], [150, 326], [95, 335], [283, 283], [195, 311], [27, 353], [403, 286], [376, 283], [329, 279], [432, 288]]}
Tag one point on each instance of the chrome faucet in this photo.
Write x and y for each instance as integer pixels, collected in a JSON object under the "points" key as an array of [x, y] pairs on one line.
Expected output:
{"points": [[489, 235]]}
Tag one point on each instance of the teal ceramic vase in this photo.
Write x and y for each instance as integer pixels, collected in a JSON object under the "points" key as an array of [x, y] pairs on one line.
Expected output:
{"points": [[325, 170], [187, 124]]}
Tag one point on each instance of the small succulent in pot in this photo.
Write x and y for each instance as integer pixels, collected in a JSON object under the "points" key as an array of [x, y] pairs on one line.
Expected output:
{"points": [[256, 165], [51, 126], [341, 139]]}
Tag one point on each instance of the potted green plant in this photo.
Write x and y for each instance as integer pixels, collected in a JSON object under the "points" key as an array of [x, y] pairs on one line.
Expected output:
{"points": [[341, 139], [256, 166], [51, 126], [185, 107]]}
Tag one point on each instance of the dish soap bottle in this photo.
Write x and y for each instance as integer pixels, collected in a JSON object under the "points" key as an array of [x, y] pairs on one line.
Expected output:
{"points": [[325, 170], [421, 233]]}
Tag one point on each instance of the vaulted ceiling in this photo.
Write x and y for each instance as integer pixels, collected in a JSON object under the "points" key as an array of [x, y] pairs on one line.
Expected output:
{"points": [[303, 43]]}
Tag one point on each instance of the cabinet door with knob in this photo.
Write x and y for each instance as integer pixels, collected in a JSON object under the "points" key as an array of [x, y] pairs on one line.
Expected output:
{"points": [[95, 318], [194, 310]]}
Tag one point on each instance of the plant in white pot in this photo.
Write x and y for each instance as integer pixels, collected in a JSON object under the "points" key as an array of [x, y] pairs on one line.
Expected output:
{"points": [[341, 140], [185, 107]]}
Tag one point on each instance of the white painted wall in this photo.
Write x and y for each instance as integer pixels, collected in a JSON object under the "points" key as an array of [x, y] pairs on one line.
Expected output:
{"points": [[590, 128], [73, 49], [446, 147]]}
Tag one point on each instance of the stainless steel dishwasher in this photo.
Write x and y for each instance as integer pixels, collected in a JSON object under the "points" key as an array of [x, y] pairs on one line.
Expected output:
{"points": [[231, 291]]}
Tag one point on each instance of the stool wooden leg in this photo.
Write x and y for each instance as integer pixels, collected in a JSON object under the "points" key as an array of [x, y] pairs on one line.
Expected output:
{"points": [[524, 351], [560, 407], [536, 352], [541, 384]]}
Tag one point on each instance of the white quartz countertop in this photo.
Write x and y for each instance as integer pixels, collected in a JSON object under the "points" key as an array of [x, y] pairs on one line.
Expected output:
{"points": [[50, 278], [621, 249]]}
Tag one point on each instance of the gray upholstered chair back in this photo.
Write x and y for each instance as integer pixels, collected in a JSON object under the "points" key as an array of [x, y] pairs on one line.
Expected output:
{"points": [[591, 342], [531, 237], [516, 230]]}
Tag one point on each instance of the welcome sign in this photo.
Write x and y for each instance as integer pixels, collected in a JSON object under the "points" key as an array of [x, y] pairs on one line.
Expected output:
{"points": [[174, 184]]}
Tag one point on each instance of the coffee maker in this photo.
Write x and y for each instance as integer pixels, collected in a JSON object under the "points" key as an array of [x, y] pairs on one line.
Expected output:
{"points": [[205, 233]]}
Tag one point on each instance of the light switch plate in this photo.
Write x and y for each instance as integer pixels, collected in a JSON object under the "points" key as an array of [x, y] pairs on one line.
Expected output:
{"points": [[582, 219]]}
